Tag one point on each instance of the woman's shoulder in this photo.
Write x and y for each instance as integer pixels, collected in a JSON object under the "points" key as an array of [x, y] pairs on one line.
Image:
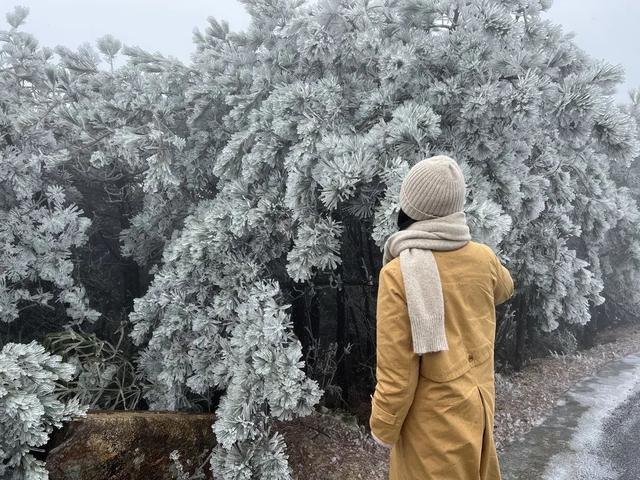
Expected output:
{"points": [[482, 252], [473, 255], [392, 267], [391, 277], [480, 248]]}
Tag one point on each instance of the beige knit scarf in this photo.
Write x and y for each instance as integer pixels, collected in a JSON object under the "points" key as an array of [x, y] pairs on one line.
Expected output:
{"points": [[423, 290]]}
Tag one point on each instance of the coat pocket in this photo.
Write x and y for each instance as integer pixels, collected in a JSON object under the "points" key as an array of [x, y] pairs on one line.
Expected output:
{"points": [[444, 369], [380, 413]]}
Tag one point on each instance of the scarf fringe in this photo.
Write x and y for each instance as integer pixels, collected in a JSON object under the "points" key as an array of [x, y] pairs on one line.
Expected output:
{"points": [[429, 335]]}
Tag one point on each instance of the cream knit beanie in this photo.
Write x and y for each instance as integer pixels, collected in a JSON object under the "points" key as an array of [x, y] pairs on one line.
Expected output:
{"points": [[434, 187]]}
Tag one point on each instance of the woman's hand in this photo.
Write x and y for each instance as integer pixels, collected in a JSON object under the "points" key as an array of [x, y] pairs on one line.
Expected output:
{"points": [[380, 442]]}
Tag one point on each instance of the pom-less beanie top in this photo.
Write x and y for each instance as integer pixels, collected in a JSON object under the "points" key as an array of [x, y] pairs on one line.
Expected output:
{"points": [[434, 187]]}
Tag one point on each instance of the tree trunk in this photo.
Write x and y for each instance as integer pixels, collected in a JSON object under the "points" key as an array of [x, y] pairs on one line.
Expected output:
{"points": [[521, 333], [342, 374], [299, 320]]}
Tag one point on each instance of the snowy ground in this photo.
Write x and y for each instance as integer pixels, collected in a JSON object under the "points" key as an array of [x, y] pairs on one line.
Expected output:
{"points": [[579, 440], [524, 399]]}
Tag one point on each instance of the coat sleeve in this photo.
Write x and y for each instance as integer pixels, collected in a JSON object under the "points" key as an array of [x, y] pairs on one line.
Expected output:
{"points": [[503, 289], [397, 366]]}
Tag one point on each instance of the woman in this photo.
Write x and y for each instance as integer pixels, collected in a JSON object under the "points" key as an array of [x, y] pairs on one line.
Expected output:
{"points": [[434, 400]]}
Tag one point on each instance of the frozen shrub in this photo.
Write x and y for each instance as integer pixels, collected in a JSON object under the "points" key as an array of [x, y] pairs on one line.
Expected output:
{"points": [[30, 407]]}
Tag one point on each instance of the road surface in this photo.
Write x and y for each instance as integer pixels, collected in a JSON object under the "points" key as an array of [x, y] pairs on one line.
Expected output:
{"points": [[593, 433], [621, 439]]}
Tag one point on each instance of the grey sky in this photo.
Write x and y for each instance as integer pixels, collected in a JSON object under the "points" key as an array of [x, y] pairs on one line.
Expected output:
{"points": [[165, 26], [607, 31]]}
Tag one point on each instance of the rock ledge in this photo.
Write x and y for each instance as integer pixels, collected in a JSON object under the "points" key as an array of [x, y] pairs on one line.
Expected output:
{"points": [[129, 445]]}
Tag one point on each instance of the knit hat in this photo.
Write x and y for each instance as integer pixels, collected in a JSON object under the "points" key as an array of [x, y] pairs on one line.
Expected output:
{"points": [[434, 187]]}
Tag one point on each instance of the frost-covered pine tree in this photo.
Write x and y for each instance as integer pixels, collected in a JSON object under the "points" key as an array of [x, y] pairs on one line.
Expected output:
{"points": [[29, 407], [621, 251], [253, 161], [309, 120], [39, 227], [127, 129]]}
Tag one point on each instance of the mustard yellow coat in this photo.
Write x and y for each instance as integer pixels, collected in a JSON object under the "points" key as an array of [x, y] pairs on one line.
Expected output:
{"points": [[437, 409]]}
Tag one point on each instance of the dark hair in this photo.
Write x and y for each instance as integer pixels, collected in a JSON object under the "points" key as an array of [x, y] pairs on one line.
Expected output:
{"points": [[404, 220]]}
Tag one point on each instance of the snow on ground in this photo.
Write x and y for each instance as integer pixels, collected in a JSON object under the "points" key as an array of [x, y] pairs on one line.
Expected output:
{"points": [[568, 444], [600, 396], [524, 399]]}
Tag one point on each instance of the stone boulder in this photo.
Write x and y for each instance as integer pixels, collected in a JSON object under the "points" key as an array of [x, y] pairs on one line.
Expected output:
{"points": [[127, 445]]}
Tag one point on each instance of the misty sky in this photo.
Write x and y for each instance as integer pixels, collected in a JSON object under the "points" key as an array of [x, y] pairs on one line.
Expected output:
{"points": [[608, 31]]}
